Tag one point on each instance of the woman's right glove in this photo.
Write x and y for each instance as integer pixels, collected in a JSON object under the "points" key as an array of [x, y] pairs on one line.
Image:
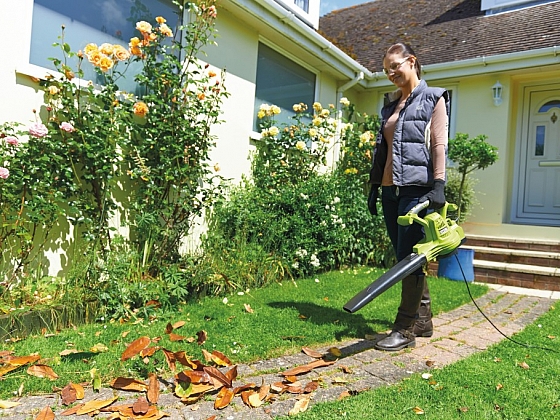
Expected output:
{"points": [[436, 196]]}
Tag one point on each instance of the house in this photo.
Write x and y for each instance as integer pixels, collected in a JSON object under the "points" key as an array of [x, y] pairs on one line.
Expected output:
{"points": [[281, 52]]}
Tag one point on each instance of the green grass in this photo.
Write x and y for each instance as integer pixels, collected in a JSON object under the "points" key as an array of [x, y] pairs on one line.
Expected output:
{"points": [[489, 385], [284, 318]]}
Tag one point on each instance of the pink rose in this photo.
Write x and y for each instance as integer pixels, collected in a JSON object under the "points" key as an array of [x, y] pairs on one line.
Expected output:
{"points": [[4, 173], [12, 140], [66, 126], [38, 130]]}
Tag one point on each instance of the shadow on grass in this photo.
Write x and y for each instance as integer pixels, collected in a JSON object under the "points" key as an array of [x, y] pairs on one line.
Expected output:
{"points": [[352, 325]]}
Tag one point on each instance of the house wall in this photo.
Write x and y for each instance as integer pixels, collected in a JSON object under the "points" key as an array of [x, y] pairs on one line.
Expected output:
{"points": [[236, 52]]}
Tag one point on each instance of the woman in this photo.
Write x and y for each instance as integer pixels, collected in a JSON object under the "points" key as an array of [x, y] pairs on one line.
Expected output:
{"points": [[409, 165]]}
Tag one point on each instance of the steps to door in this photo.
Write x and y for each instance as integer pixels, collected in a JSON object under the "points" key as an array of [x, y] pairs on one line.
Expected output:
{"points": [[531, 264]]}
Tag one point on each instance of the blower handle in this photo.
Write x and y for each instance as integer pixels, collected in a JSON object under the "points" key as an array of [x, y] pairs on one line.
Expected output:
{"points": [[412, 215]]}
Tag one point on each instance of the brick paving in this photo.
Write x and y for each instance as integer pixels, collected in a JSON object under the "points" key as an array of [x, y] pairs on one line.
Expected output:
{"points": [[457, 334]]}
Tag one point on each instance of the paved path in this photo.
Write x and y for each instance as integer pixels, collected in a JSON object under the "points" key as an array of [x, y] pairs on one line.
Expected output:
{"points": [[459, 333]]}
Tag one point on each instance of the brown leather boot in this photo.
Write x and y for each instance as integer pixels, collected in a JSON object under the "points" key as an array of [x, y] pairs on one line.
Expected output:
{"points": [[402, 335], [423, 326]]}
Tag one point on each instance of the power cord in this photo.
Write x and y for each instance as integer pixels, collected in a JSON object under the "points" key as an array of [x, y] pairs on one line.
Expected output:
{"points": [[490, 321]]}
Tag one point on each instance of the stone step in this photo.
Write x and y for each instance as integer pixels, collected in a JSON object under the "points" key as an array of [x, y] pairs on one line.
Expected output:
{"points": [[516, 256], [513, 243]]}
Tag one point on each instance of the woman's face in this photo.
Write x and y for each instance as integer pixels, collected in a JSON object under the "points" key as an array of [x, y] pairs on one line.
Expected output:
{"points": [[399, 69]]}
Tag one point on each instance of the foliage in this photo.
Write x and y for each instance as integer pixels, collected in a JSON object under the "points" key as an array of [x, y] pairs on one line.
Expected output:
{"points": [[307, 220], [93, 149], [452, 189], [469, 155]]}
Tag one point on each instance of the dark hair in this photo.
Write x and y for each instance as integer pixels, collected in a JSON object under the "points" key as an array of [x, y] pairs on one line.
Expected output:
{"points": [[406, 50]]}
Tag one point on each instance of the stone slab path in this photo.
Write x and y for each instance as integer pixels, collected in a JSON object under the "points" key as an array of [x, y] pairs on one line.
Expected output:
{"points": [[457, 334]]}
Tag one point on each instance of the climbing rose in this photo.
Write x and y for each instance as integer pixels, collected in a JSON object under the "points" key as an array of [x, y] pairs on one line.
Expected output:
{"points": [[12, 140], [4, 173], [140, 109], [38, 130], [66, 126]]}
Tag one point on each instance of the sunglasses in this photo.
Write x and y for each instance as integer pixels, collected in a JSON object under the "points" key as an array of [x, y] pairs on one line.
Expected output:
{"points": [[395, 66]]}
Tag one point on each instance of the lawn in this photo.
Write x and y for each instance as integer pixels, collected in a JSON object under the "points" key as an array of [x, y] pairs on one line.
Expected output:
{"points": [[246, 326]]}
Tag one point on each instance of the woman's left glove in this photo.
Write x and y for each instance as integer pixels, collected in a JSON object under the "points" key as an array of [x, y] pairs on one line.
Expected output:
{"points": [[436, 196]]}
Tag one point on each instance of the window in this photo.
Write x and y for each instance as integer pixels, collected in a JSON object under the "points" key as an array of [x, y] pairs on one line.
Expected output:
{"points": [[87, 21], [282, 82]]}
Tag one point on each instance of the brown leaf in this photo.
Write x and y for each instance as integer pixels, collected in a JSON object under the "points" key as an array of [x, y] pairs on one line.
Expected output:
{"points": [[128, 384], [68, 352], [223, 398], [193, 376], [207, 355], [79, 391], [170, 359], [345, 369], [264, 389], [343, 394], [307, 368], [201, 337], [168, 328], [8, 369], [72, 410], [242, 388], [140, 406], [220, 358], [299, 407], [418, 410], [232, 374], [176, 337], [149, 351], [178, 324], [181, 357], [68, 394], [42, 371], [311, 387], [135, 347], [254, 399], [8, 404], [278, 387], [312, 353], [248, 308], [12, 363], [523, 365], [219, 376], [94, 405], [45, 414], [153, 388]]}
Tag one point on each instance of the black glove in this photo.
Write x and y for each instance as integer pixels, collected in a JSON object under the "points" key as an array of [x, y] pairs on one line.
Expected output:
{"points": [[372, 199], [436, 197]]}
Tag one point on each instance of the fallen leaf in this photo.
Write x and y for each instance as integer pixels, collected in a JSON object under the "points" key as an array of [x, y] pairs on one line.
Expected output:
{"points": [[248, 308], [135, 347], [95, 379], [99, 348], [8, 404], [42, 371], [183, 389], [45, 414], [178, 324], [79, 391], [68, 394], [299, 407], [218, 376], [95, 405], [311, 387], [194, 376], [499, 386], [153, 388], [201, 337], [149, 351], [128, 384], [223, 398], [307, 368], [176, 337], [343, 394], [72, 410], [168, 328], [254, 399], [339, 381], [15, 362], [220, 358], [140, 406], [430, 363], [242, 388], [232, 374], [346, 369], [311, 353], [463, 409], [523, 365], [68, 352], [170, 359], [124, 334], [418, 410]]}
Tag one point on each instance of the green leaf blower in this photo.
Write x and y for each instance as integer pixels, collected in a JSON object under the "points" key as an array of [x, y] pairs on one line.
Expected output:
{"points": [[442, 236]]}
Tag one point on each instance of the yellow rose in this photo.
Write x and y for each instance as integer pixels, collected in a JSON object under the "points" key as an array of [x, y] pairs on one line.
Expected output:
{"points": [[261, 114], [165, 30], [300, 145], [313, 132], [275, 110], [95, 58], [140, 109], [90, 48], [317, 107], [344, 101], [144, 27], [297, 108], [134, 42], [106, 48], [136, 51], [120, 52], [53, 90], [160, 20], [273, 130], [325, 113], [317, 121], [106, 63]]}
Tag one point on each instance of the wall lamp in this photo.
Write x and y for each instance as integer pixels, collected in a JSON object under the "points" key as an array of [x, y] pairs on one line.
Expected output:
{"points": [[497, 93]]}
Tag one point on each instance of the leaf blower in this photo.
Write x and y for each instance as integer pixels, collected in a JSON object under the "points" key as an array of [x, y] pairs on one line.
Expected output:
{"points": [[442, 237]]}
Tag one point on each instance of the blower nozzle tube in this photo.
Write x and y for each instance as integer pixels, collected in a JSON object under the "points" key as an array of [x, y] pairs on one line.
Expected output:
{"points": [[402, 269]]}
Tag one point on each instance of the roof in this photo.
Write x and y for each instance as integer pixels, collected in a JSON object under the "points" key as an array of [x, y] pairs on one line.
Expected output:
{"points": [[439, 31]]}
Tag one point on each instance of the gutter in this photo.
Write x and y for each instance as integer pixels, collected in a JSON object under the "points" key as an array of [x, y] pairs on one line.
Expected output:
{"points": [[287, 23]]}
